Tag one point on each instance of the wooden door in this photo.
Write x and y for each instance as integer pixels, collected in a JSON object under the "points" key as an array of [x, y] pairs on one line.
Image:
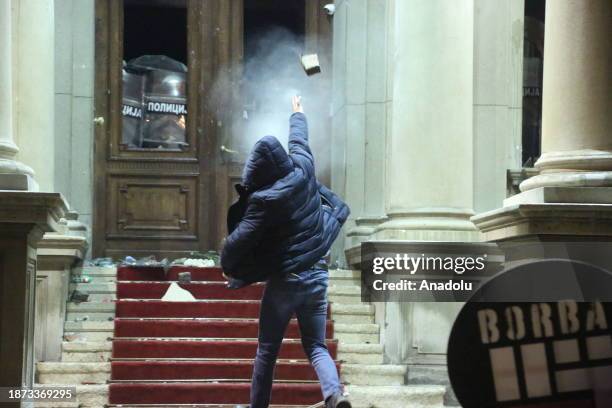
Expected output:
{"points": [[159, 198], [172, 200]]}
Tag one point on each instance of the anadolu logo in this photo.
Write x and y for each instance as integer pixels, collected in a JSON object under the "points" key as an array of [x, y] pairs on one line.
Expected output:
{"points": [[536, 354]]}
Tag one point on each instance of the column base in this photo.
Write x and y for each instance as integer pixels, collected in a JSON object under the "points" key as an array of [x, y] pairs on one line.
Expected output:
{"points": [[576, 168], [363, 228], [19, 182], [550, 211], [428, 224], [15, 175]]}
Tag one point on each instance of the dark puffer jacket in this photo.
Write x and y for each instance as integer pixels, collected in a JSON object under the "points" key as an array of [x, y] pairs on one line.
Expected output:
{"points": [[284, 220]]}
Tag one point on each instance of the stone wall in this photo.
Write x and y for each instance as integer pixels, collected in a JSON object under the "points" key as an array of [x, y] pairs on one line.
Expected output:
{"points": [[361, 107], [74, 105]]}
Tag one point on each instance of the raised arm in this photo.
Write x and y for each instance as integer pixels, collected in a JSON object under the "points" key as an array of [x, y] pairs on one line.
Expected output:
{"points": [[245, 237], [298, 135]]}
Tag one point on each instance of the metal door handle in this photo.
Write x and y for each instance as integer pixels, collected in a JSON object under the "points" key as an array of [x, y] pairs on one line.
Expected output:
{"points": [[226, 150]]}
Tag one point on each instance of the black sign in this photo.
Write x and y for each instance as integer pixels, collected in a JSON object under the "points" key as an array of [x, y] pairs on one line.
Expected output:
{"points": [[537, 354]]}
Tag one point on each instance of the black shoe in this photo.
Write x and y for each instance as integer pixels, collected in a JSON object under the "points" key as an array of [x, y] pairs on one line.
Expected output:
{"points": [[338, 401]]}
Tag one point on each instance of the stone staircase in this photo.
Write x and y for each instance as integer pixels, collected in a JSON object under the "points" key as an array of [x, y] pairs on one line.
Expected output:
{"points": [[371, 384], [86, 348]]}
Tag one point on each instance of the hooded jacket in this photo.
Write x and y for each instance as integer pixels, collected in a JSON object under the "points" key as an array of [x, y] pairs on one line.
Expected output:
{"points": [[284, 220]]}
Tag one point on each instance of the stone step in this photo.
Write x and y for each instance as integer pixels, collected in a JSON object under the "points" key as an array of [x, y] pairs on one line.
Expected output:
{"points": [[357, 333], [352, 313], [102, 279], [433, 374], [98, 292], [353, 318], [360, 353], [344, 276], [373, 374], [89, 330], [77, 351], [101, 311], [58, 404], [72, 373], [102, 297], [365, 309], [91, 288], [344, 293], [396, 396], [95, 271], [97, 275], [88, 396]]}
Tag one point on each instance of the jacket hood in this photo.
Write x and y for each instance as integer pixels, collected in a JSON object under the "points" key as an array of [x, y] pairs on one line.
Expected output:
{"points": [[267, 163]]}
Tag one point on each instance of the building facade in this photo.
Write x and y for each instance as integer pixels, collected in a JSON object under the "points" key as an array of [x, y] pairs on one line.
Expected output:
{"points": [[427, 119]]}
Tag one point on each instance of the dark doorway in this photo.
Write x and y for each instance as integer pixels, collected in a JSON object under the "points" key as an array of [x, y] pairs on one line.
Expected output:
{"points": [[533, 63], [261, 17], [155, 28]]}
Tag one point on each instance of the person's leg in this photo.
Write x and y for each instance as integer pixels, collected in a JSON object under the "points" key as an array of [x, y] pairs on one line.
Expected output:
{"points": [[312, 317], [276, 311]]}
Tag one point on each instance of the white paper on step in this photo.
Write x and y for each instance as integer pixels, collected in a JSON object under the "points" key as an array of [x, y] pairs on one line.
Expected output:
{"points": [[177, 294]]}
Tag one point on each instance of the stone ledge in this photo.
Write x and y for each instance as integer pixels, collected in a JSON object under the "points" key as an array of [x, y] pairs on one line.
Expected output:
{"points": [[546, 219], [568, 195], [44, 209]]}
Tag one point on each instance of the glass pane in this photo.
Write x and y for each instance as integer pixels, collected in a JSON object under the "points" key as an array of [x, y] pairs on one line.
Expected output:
{"points": [[154, 74]]}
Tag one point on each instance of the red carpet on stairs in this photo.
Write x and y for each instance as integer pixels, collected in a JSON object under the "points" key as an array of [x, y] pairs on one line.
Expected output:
{"points": [[198, 352]]}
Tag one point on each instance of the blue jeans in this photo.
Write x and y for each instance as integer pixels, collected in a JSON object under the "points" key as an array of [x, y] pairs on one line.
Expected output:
{"points": [[304, 294]]}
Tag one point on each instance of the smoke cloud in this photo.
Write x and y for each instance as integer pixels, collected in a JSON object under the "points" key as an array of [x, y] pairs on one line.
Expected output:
{"points": [[272, 74]]}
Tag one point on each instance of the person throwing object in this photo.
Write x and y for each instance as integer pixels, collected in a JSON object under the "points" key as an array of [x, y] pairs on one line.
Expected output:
{"points": [[280, 231]]}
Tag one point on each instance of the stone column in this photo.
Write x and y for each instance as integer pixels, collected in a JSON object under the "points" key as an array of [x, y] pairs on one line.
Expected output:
{"points": [[498, 98], [572, 195], [13, 174], [429, 163], [576, 120], [34, 83], [361, 100], [430, 148]]}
